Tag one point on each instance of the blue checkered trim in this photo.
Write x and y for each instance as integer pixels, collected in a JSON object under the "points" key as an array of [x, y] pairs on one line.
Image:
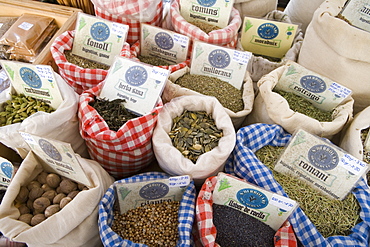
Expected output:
{"points": [[244, 164], [106, 217]]}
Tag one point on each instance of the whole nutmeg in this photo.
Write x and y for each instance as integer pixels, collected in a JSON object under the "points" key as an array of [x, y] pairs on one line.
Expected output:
{"points": [[50, 194], [22, 196], [35, 193], [52, 209], [26, 218], [41, 178], [41, 203], [81, 186], [58, 190], [37, 219], [67, 186], [72, 194], [65, 201], [33, 184], [53, 180], [58, 198], [30, 204], [46, 187], [23, 209]]}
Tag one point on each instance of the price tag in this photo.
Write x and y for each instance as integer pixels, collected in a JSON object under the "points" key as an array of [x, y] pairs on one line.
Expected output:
{"points": [[181, 39], [179, 181], [159, 74], [25, 26], [352, 164], [45, 72], [28, 138], [283, 202], [119, 29], [339, 90], [242, 57]]}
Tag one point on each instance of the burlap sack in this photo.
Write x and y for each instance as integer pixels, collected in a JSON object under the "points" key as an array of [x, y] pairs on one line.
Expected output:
{"points": [[260, 66], [351, 136], [75, 225], [173, 90], [131, 13], [255, 8], [301, 11], [271, 108], [171, 160], [61, 125], [339, 51]]}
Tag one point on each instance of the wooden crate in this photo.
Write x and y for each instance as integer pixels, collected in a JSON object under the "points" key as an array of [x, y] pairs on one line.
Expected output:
{"points": [[64, 16]]}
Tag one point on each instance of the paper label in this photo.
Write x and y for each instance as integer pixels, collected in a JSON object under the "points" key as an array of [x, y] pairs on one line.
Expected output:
{"points": [[25, 26], [6, 172], [167, 45], [322, 92], [37, 81], [266, 37], [133, 195], [98, 39], [4, 80], [321, 164], [138, 83], [223, 63], [266, 206], [214, 12], [357, 12], [58, 157]]}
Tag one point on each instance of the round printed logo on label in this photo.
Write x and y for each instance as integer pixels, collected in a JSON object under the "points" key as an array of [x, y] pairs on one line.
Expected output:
{"points": [[268, 31], [7, 169], [252, 198], [164, 41], [100, 31], [207, 3], [219, 58], [50, 150], [313, 83], [154, 190], [136, 75], [30, 77], [323, 157]]}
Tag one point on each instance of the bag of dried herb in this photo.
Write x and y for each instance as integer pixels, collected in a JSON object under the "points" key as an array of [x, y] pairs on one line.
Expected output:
{"points": [[237, 103], [76, 222], [318, 221], [355, 137], [193, 136], [81, 74], [255, 8], [123, 151], [25, 114], [346, 53], [293, 112], [156, 61], [111, 224], [261, 65], [219, 225], [225, 37], [131, 13]]}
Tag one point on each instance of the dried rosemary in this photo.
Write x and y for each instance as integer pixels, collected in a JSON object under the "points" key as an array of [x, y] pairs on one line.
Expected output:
{"points": [[301, 105], [205, 27], [83, 62], [156, 61], [331, 217], [366, 153], [113, 112], [229, 96]]}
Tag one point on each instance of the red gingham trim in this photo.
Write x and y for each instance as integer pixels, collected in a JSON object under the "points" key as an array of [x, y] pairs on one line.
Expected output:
{"points": [[225, 37], [135, 52], [285, 236], [121, 153], [116, 11]]}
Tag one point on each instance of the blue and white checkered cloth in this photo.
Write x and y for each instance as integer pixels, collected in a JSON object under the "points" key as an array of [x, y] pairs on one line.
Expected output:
{"points": [[106, 216], [244, 164]]}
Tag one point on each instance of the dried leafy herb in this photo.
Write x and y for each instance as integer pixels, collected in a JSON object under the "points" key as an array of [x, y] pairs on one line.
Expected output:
{"points": [[301, 105], [205, 27], [113, 112], [156, 61], [229, 96], [331, 217], [83, 62], [366, 153]]}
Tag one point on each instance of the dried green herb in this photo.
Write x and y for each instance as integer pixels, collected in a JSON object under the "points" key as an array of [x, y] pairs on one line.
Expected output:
{"points": [[83, 62], [229, 96], [366, 153], [205, 27], [113, 112], [331, 217], [301, 105], [156, 61], [271, 59]]}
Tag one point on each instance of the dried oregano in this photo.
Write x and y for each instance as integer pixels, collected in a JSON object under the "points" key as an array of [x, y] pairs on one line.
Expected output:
{"points": [[301, 105], [156, 61], [331, 217], [229, 96], [205, 27], [83, 62], [366, 153]]}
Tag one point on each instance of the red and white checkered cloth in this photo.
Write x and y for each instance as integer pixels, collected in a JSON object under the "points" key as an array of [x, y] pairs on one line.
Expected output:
{"points": [[122, 12], [135, 52], [227, 36], [284, 237], [122, 153], [80, 79]]}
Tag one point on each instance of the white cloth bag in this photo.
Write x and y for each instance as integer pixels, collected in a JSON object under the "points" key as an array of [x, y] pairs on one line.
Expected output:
{"points": [[255, 8]]}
